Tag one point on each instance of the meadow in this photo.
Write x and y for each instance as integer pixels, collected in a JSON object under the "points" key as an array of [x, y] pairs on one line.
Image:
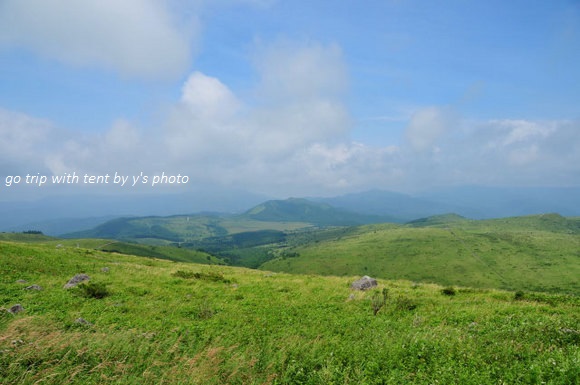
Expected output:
{"points": [[535, 253], [152, 321]]}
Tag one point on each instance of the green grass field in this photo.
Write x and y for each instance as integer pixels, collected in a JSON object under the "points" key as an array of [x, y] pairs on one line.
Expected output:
{"points": [[166, 322], [538, 253]]}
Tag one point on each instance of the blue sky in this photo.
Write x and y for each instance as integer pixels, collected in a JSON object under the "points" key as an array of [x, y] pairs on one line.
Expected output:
{"points": [[292, 97]]}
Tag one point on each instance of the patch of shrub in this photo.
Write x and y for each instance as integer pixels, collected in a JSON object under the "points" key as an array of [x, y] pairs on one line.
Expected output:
{"points": [[405, 303], [449, 290], [212, 276], [519, 295], [94, 290], [205, 311], [379, 300], [184, 274]]}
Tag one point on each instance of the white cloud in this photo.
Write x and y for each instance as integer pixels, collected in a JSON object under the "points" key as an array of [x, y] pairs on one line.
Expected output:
{"points": [[295, 105], [508, 152], [483, 153], [208, 98], [133, 37], [523, 130], [428, 125], [21, 138]]}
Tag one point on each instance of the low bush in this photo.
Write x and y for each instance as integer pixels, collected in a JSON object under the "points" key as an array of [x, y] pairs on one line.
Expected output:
{"points": [[212, 276], [379, 300], [449, 290], [94, 290]]}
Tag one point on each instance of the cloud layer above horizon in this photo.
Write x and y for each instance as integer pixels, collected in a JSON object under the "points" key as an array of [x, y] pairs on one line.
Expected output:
{"points": [[290, 130]]}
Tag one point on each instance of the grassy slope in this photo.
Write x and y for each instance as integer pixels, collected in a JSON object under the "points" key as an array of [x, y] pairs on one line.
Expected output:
{"points": [[21, 237], [530, 253], [251, 327], [153, 251]]}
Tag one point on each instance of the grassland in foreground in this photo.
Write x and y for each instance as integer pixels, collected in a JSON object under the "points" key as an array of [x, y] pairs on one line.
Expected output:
{"points": [[162, 322]]}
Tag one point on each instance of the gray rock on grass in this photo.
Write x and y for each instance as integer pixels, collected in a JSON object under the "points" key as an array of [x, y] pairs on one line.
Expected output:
{"points": [[364, 283], [33, 287], [16, 309], [74, 281]]}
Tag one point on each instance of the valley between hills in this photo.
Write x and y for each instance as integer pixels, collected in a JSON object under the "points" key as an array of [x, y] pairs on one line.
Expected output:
{"points": [[534, 252]]}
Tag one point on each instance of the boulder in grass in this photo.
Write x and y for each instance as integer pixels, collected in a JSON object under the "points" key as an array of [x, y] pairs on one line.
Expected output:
{"points": [[16, 309], [34, 287], [364, 283], [74, 281]]}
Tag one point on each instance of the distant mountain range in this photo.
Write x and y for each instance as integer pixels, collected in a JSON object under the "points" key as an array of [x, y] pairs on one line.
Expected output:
{"points": [[470, 201], [64, 214]]}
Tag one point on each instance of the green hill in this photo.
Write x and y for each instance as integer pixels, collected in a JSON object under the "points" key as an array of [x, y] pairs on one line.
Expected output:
{"points": [[286, 215], [148, 321], [113, 246], [303, 210], [539, 252], [182, 228], [24, 237]]}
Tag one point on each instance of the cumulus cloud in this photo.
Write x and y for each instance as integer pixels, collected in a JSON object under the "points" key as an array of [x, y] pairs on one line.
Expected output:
{"points": [[133, 37], [288, 111], [208, 98]]}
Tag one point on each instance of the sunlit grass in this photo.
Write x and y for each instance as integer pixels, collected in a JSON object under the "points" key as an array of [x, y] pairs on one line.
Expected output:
{"points": [[166, 322]]}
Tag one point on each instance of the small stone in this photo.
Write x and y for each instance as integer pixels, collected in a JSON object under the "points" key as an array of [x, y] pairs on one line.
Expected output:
{"points": [[34, 287], [83, 321], [74, 281], [105, 270], [16, 309], [22, 281]]}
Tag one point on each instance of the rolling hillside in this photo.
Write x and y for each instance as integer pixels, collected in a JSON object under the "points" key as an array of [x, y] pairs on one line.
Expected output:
{"points": [[538, 252], [182, 228], [148, 321], [171, 253], [524, 253], [282, 215]]}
